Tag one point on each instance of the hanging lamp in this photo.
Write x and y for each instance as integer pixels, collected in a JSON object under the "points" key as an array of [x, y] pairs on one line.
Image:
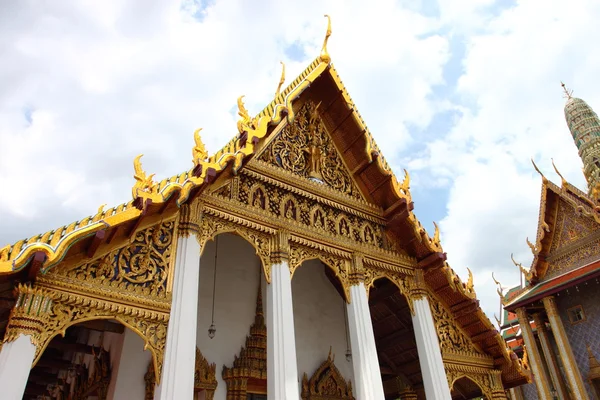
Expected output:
{"points": [[212, 330]]}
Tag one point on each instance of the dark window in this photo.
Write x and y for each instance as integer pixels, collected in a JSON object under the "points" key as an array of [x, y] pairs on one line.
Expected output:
{"points": [[576, 314], [254, 396]]}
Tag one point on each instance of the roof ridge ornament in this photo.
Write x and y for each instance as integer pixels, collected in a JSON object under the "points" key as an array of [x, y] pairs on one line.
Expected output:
{"points": [[528, 274], [500, 291], [563, 181], [199, 152], [544, 179], [568, 93], [281, 80], [324, 57], [143, 183]]}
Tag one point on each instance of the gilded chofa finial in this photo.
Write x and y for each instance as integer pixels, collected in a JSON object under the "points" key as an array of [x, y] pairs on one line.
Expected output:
{"points": [[500, 291], [470, 282], [324, 54], [199, 152], [281, 80], [568, 93], [562, 178], [539, 172], [143, 183], [528, 274]]}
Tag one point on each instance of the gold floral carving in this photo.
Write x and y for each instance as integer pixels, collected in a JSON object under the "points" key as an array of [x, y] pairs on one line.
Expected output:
{"points": [[327, 383], [451, 337], [251, 363], [300, 253], [205, 377], [136, 273], [306, 149]]}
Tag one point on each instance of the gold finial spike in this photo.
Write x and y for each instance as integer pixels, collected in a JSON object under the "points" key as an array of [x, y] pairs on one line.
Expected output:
{"points": [[243, 113], [436, 233], [324, 54], [568, 93], [499, 290], [199, 152], [470, 283], [539, 172], [101, 208], [143, 183], [281, 80], [562, 178]]}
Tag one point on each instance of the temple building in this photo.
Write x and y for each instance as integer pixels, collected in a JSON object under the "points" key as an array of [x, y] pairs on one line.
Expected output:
{"points": [[553, 320], [290, 264]]}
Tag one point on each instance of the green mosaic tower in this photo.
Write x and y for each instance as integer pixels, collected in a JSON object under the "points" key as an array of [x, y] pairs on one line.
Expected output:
{"points": [[584, 125]]}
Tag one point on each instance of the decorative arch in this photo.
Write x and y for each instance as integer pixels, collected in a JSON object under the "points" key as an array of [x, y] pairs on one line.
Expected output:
{"points": [[327, 383], [212, 226], [336, 263], [68, 310], [482, 381]]}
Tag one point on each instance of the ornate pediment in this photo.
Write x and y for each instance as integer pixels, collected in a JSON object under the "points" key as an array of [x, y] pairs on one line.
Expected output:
{"points": [[305, 148], [575, 241], [139, 270], [327, 383], [452, 338]]}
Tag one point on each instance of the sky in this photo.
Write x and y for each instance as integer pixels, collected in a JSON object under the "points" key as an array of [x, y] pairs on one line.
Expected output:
{"points": [[461, 93]]}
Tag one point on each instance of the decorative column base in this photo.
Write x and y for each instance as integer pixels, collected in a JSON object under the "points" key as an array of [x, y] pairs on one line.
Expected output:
{"points": [[180, 351], [367, 374], [428, 347], [282, 367]]}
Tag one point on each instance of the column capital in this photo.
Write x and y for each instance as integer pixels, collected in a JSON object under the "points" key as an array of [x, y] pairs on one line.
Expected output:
{"points": [[190, 218], [357, 270], [280, 246], [30, 314], [550, 305], [417, 287]]}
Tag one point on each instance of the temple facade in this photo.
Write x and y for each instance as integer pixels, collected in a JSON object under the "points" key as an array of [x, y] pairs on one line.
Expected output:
{"points": [[288, 265], [552, 321]]}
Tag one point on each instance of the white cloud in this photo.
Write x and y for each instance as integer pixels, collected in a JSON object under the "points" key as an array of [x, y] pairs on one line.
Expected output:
{"points": [[512, 72], [106, 81]]}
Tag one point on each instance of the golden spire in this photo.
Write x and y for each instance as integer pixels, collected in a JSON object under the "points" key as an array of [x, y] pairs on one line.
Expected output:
{"points": [[199, 152], [324, 54], [568, 93], [539, 172], [562, 178], [281, 80]]}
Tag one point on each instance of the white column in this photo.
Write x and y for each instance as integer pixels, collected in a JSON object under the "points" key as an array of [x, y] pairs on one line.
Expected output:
{"points": [[16, 358], [177, 380], [367, 374], [428, 347], [282, 367]]}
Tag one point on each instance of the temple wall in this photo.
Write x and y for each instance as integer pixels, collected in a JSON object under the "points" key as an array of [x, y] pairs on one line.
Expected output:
{"points": [[235, 301], [530, 391], [586, 332], [319, 320]]}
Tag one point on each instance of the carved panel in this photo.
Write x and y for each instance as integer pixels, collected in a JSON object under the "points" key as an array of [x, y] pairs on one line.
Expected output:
{"points": [[304, 148], [205, 376], [451, 337], [137, 272], [310, 213], [327, 383], [481, 379]]}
